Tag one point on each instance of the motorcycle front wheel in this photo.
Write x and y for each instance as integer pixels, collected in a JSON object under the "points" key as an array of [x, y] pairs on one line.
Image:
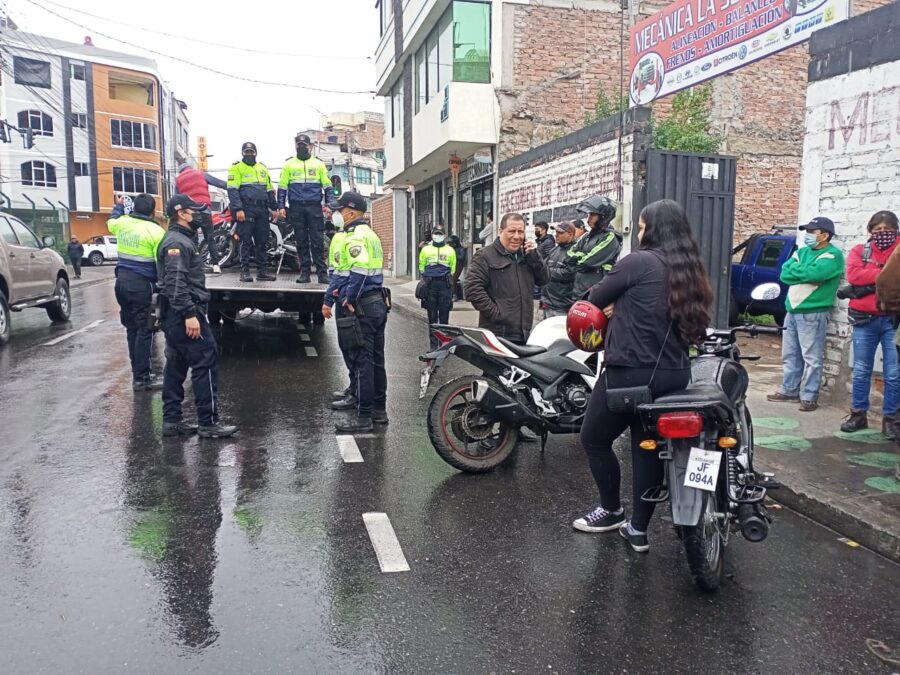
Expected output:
{"points": [[462, 434], [226, 246], [705, 545]]}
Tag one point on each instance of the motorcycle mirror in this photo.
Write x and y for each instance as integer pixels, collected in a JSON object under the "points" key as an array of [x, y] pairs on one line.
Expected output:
{"points": [[769, 291]]}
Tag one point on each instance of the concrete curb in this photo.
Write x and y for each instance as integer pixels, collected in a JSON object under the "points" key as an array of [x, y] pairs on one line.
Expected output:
{"points": [[808, 502], [92, 282]]}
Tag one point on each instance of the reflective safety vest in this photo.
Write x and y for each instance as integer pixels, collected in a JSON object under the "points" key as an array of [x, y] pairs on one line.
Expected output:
{"points": [[334, 253], [137, 240], [362, 252], [437, 261], [248, 183], [303, 181]]}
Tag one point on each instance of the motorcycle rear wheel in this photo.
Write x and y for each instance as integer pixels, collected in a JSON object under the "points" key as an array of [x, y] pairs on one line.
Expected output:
{"points": [[460, 432], [705, 546], [226, 246]]}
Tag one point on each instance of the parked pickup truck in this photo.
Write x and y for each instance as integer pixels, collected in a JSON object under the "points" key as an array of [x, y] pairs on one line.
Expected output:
{"points": [[32, 274], [756, 261], [98, 250], [229, 296]]}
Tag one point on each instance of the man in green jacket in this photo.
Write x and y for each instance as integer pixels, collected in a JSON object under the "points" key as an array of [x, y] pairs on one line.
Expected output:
{"points": [[813, 275]]}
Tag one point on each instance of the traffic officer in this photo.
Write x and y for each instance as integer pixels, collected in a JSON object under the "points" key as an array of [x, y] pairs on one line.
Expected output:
{"points": [[337, 277], [596, 252], [138, 237], [253, 204], [190, 343], [303, 180], [364, 297], [437, 265]]}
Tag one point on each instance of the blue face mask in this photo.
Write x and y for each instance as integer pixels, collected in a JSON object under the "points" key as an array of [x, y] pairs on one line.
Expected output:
{"points": [[810, 239]]}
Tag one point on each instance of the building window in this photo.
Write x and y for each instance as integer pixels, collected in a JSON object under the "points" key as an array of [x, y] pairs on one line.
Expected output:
{"points": [[472, 41], [397, 109], [127, 134], [31, 73], [40, 123], [81, 169], [79, 120], [135, 181], [385, 14], [342, 172], [363, 175], [381, 177], [38, 174], [421, 87], [136, 90], [77, 71], [431, 49]]}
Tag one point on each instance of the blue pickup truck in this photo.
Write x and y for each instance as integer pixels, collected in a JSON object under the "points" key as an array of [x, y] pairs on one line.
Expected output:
{"points": [[756, 261]]}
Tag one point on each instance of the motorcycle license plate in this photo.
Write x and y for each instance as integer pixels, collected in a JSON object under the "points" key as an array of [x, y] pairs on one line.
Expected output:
{"points": [[703, 469], [425, 381]]}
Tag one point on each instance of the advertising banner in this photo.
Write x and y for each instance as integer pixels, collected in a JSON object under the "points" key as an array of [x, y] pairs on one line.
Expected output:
{"points": [[694, 40]]}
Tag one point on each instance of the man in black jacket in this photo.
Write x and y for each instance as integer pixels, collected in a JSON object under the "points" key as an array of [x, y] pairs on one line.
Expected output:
{"points": [[597, 251], [190, 343], [545, 242], [501, 278], [556, 297], [76, 253]]}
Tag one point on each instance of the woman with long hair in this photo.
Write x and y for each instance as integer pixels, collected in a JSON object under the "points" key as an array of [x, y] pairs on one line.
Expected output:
{"points": [[659, 300]]}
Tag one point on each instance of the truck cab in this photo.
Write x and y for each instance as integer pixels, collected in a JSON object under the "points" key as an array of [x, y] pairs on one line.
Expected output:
{"points": [[758, 260]]}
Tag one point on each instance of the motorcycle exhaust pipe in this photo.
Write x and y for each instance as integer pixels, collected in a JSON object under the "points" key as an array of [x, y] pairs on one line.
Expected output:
{"points": [[479, 389], [501, 405], [754, 522]]}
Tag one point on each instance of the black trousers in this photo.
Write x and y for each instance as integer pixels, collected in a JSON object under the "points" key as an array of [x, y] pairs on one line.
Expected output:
{"points": [[254, 232], [602, 427], [340, 312], [133, 293], [309, 232], [368, 360], [438, 302], [201, 357], [206, 225], [76, 265]]}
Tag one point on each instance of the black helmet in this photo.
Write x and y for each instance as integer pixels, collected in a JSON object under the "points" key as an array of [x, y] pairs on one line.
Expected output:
{"points": [[602, 206]]}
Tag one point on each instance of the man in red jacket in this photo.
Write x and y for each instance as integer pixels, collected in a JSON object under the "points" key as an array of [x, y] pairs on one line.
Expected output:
{"points": [[871, 326], [195, 184]]}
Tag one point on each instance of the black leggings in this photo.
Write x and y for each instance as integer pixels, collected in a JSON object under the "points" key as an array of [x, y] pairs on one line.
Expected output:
{"points": [[602, 427]]}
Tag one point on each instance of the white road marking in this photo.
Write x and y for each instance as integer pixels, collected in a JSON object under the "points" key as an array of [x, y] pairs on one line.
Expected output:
{"points": [[73, 333], [305, 338], [349, 449], [384, 541], [311, 351]]}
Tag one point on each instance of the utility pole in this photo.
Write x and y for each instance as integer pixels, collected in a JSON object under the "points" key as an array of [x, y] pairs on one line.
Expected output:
{"points": [[350, 172]]}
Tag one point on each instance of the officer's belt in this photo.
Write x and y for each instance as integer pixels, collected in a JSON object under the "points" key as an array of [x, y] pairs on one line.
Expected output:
{"points": [[255, 202], [317, 202], [371, 298]]}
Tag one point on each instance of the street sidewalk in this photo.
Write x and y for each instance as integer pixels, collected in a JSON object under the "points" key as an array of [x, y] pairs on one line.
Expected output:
{"points": [[844, 481], [91, 276]]}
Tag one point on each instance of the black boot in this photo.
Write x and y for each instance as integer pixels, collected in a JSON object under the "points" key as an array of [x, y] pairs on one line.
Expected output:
{"points": [[217, 430], [304, 277], [178, 429], [889, 427], [264, 275], [380, 417], [857, 420], [323, 278], [360, 425], [245, 275]]}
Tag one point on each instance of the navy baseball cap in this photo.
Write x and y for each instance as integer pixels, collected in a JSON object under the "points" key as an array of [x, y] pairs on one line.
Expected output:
{"points": [[820, 223], [303, 138], [249, 145], [349, 200], [177, 202]]}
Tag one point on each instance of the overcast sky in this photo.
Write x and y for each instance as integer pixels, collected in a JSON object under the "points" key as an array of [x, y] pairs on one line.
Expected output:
{"points": [[226, 110]]}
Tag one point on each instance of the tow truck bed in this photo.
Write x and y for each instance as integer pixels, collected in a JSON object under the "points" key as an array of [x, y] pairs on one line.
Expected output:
{"points": [[230, 295]]}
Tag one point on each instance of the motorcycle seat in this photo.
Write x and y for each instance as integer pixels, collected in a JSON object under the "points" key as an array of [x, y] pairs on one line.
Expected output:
{"points": [[521, 350], [696, 394]]}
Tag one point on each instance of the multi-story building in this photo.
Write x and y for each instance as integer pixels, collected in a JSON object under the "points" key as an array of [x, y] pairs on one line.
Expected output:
{"points": [[176, 148], [352, 146], [99, 121]]}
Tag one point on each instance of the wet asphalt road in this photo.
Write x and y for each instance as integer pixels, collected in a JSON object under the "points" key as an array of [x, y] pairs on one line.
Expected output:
{"points": [[121, 552]]}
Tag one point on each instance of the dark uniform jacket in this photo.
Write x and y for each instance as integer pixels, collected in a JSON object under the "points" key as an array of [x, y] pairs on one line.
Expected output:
{"points": [[181, 276], [76, 251], [558, 293], [500, 286], [545, 245], [593, 256]]}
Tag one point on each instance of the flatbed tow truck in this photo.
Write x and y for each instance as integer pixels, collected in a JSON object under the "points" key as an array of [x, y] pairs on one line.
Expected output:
{"points": [[229, 296]]}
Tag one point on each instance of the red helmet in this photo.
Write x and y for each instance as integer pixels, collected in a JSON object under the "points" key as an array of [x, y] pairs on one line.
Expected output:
{"points": [[586, 326]]}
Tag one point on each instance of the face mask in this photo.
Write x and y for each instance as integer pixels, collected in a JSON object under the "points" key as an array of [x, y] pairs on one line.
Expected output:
{"points": [[302, 152], [437, 240], [810, 239], [337, 219], [884, 240], [249, 160]]}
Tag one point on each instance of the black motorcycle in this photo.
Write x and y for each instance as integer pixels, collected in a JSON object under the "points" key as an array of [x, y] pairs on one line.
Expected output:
{"points": [[474, 421], [704, 435]]}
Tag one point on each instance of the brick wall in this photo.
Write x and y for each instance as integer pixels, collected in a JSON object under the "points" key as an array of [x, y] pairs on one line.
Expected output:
{"points": [[851, 168], [382, 220]]}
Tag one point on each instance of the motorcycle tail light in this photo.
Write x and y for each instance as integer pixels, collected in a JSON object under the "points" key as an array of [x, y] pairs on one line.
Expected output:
{"points": [[441, 337], [679, 425]]}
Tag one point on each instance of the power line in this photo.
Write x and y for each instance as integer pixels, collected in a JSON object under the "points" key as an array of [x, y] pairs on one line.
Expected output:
{"points": [[206, 42], [198, 65]]}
